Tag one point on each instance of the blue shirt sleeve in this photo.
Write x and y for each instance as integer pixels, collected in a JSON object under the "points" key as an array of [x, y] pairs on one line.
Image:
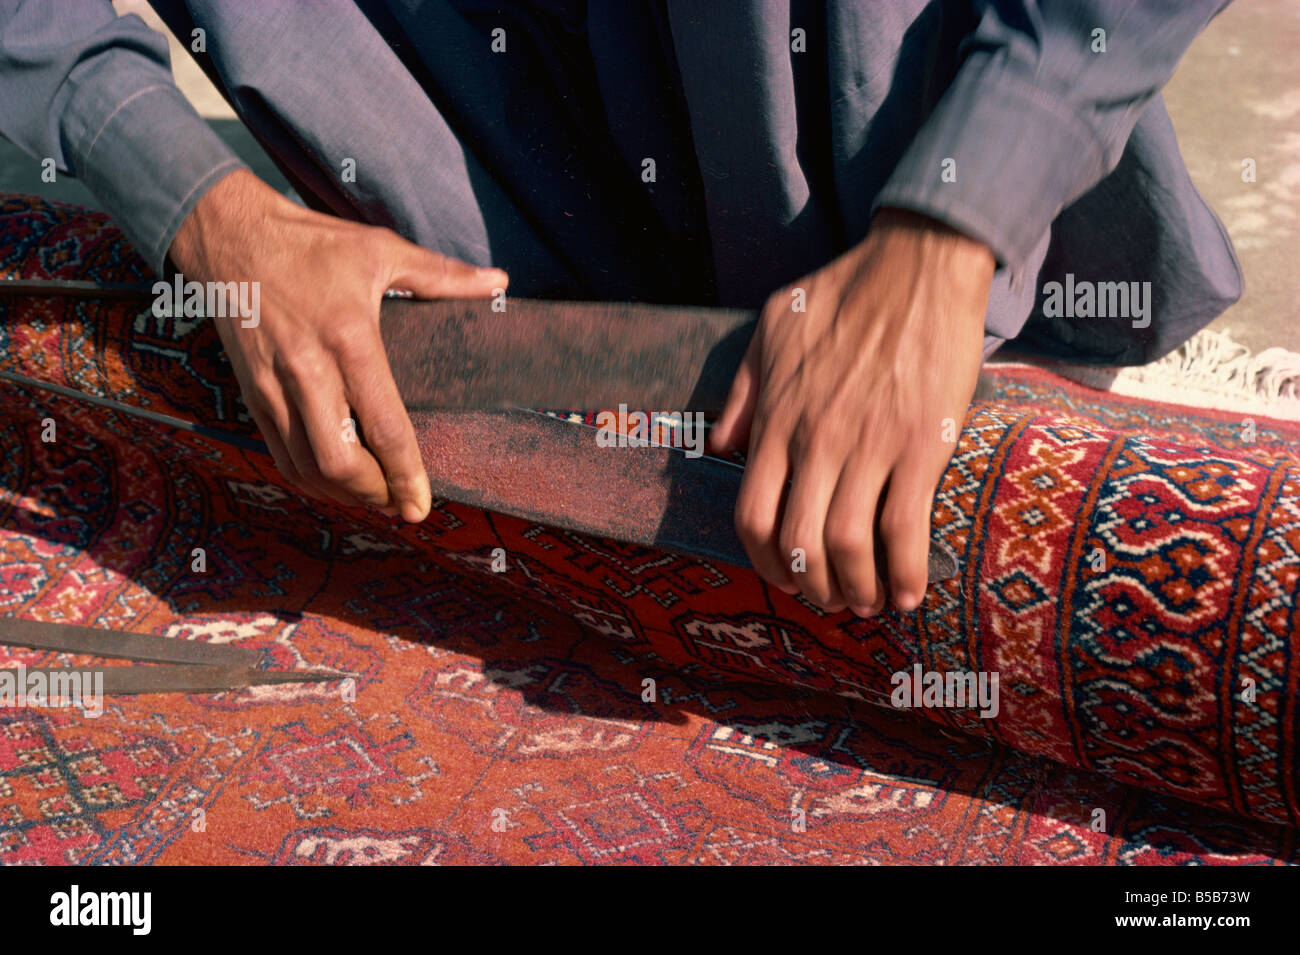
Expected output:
{"points": [[94, 92], [1039, 112]]}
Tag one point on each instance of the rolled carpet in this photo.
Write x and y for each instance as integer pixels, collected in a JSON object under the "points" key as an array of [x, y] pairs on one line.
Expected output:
{"points": [[1130, 572]]}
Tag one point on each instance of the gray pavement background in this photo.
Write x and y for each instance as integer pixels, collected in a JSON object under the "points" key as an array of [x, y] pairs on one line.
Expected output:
{"points": [[1235, 96]]}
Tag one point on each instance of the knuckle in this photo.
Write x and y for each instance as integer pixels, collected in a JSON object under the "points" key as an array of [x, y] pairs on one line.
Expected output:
{"points": [[818, 443], [300, 368], [817, 595], [897, 523], [799, 537], [823, 596], [388, 432], [348, 341], [404, 483], [863, 597], [846, 542], [338, 468], [752, 526], [861, 590]]}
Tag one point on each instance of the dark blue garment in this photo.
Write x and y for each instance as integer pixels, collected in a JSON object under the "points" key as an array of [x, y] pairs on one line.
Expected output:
{"points": [[776, 129]]}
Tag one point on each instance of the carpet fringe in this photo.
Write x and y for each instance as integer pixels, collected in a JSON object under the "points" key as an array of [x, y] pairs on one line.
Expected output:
{"points": [[1210, 370]]}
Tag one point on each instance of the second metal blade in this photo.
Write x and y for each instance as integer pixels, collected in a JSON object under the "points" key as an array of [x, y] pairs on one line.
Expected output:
{"points": [[182, 678], [71, 638]]}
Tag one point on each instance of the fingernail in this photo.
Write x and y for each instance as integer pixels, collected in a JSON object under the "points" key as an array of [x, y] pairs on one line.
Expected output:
{"points": [[907, 602], [787, 589], [389, 511], [495, 275], [864, 612], [412, 512]]}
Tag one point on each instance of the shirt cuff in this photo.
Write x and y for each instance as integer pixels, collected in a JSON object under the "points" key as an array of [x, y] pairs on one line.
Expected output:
{"points": [[998, 159], [149, 158]]}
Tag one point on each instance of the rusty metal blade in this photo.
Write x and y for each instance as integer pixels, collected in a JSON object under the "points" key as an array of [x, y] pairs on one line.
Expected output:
{"points": [[149, 647], [542, 354], [543, 469], [180, 678], [481, 354]]}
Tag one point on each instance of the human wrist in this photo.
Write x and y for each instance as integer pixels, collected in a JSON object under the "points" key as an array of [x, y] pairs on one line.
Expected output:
{"points": [[933, 238], [235, 204]]}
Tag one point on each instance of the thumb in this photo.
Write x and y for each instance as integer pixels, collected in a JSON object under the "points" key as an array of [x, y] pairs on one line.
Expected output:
{"points": [[431, 275], [732, 429]]}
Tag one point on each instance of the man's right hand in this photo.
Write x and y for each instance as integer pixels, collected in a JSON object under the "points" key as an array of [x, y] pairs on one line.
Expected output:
{"points": [[315, 359]]}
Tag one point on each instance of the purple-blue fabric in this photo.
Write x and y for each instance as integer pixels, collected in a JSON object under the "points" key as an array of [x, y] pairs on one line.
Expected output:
{"points": [[772, 148]]}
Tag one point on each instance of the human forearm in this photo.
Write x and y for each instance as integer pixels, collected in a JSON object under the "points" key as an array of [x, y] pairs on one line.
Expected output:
{"points": [[94, 93], [1039, 113]]}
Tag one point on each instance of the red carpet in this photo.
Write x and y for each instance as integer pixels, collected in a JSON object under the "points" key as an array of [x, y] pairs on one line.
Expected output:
{"points": [[491, 724]]}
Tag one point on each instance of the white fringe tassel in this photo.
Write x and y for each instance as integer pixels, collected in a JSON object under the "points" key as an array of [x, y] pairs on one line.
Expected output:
{"points": [[1210, 370]]}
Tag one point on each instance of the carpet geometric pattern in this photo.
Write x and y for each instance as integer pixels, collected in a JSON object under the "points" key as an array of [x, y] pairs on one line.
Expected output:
{"points": [[1130, 571]]}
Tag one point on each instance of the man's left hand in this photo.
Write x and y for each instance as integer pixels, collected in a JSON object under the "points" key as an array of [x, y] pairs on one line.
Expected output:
{"points": [[851, 407]]}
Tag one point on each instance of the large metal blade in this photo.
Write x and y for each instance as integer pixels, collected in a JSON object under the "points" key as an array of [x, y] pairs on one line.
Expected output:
{"points": [[555, 472], [487, 354], [563, 355]]}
